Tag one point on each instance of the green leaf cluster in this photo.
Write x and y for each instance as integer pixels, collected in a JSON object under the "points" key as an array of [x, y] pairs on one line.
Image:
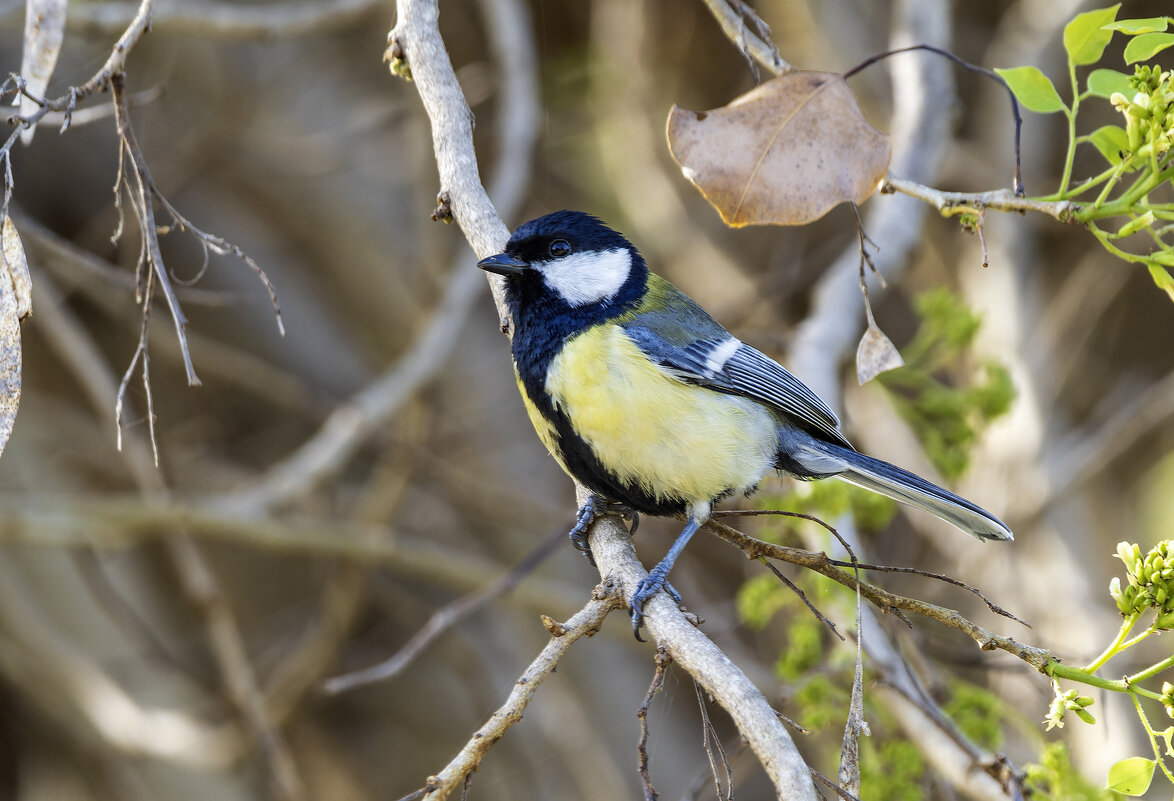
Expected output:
{"points": [[1149, 588], [947, 417], [1139, 152]]}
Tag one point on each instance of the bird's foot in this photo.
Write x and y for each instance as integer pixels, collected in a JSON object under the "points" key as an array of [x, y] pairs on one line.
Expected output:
{"points": [[592, 508], [648, 587]]}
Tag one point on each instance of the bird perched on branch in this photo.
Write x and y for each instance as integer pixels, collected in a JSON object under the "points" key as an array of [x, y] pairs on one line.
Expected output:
{"points": [[652, 405]]}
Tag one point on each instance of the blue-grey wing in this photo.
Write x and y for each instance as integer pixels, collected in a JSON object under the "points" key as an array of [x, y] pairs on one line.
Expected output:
{"points": [[721, 362]]}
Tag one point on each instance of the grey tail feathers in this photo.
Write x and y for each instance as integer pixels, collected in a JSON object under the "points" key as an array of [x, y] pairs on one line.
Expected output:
{"points": [[901, 485]]}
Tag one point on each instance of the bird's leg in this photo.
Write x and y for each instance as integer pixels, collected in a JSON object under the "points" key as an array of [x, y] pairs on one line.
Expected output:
{"points": [[592, 508], [656, 578]]}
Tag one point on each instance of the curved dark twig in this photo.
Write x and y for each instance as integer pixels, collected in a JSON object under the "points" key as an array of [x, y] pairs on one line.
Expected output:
{"points": [[1017, 178]]}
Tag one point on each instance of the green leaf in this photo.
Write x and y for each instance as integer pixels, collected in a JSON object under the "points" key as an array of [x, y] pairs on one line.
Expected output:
{"points": [[1085, 38], [1147, 45], [1162, 278], [1131, 776], [1103, 83], [1111, 140], [1033, 89], [1132, 27]]}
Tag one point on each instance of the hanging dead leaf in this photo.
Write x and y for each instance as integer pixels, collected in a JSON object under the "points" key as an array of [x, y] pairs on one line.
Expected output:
{"points": [[784, 153], [15, 304], [876, 354], [44, 29]]}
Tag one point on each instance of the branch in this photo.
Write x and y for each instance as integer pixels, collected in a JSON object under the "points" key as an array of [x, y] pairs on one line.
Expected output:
{"points": [[756, 47], [231, 20], [707, 664], [416, 48], [883, 600], [953, 203], [585, 622], [99, 81]]}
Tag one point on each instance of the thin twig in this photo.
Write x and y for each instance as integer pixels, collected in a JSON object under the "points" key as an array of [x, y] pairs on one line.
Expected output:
{"points": [[803, 597], [444, 619], [953, 203], [733, 23], [585, 622], [662, 660], [831, 785], [757, 722], [712, 746], [855, 725], [143, 194], [883, 600], [1016, 178], [998, 610]]}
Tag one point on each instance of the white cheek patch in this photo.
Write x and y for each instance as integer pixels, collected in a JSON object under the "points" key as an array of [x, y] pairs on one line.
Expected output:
{"points": [[721, 353], [588, 277]]}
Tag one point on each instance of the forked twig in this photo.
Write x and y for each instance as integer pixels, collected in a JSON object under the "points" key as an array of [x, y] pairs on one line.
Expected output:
{"points": [[662, 660], [887, 602], [714, 750]]}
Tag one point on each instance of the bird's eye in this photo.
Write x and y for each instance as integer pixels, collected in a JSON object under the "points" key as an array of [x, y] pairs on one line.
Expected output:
{"points": [[559, 248]]}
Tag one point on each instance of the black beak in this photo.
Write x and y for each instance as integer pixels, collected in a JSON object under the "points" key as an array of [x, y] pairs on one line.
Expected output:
{"points": [[503, 264]]}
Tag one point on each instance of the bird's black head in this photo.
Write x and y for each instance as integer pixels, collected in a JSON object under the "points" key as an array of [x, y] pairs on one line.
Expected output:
{"points": [[570, 259]]}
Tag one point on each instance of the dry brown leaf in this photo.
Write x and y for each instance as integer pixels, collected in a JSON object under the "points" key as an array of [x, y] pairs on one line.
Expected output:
{"points": [[15, 304], [786, 152], [875, 355], [44, 30]]}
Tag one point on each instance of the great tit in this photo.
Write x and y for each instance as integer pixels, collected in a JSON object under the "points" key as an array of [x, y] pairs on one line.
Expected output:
{"points": [[652, 405]]}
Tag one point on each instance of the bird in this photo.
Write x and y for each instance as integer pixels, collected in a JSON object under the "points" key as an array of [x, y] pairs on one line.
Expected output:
{"points": [[646, 400]]}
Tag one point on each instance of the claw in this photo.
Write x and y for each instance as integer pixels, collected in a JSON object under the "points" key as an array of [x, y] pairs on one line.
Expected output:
{"points": [[583, 519], [592, 508]]}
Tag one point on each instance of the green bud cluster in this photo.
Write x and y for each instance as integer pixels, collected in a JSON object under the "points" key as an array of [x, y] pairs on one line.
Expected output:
{"points": [[1150, 582], [1064, 702], [1168, 698], [1149, 114]]}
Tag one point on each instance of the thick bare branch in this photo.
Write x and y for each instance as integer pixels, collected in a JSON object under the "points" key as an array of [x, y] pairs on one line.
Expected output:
{"points": [[701, 658]]}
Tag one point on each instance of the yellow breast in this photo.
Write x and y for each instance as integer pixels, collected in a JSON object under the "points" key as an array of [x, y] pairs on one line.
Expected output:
{"points": [[671, 438]]}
